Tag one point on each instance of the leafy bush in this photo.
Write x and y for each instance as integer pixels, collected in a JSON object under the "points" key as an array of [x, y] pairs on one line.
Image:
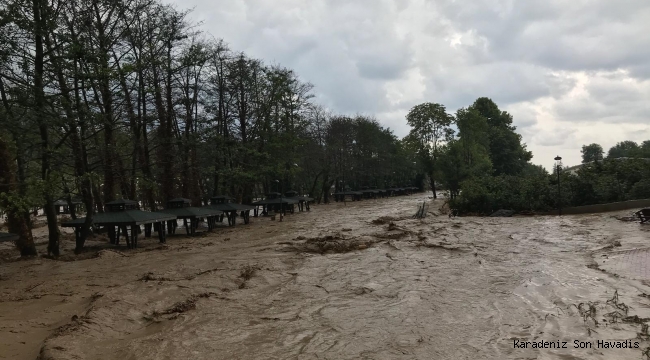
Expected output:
{"points": [[484, 195], [641, 190]]}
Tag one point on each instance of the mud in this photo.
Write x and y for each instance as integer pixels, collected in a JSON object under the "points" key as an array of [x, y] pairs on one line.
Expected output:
{"points": [[359, 280]]}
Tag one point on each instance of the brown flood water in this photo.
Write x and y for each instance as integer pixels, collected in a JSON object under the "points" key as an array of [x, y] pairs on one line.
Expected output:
{"points": [[438, 288]]}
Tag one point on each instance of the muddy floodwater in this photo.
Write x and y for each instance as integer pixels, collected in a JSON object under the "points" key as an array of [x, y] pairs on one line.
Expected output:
{"points": [[359, 280]]}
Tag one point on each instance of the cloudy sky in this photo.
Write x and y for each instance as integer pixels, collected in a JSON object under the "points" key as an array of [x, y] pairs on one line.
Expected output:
{"points": [[570, 72]]}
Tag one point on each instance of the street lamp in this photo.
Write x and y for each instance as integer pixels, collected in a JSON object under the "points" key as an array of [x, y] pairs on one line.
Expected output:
{"points": [[558, 166]]}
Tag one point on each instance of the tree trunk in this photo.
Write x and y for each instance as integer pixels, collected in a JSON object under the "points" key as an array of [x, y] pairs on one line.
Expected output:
{"points": [[39, 106], [312, 190], [432, 182], [15, 219]]}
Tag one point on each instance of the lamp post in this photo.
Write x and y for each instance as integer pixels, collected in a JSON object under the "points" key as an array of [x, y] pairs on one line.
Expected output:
{"points": [[558, 166]]}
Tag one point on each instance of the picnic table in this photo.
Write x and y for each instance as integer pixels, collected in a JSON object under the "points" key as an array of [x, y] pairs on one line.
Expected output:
{"points": [[180, 207], [223, 203], [370, 193], [121, 217], [275, 202], [303, 201], [354, 195]]}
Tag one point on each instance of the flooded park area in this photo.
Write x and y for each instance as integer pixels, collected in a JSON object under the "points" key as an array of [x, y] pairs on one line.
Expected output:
{"points": [[355, 280]]}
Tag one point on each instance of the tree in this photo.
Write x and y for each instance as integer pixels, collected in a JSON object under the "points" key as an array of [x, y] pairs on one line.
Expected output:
{"points": [[645, 149], [430, 127], [624, 149], [12, 203], [467, 155], [507, 153], [591, 152], [124, 98]]}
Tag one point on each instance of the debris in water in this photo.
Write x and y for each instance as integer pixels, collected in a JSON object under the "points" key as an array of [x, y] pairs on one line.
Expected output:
{"points": [[635, 319], [181, 307], [334, 244], [248, 271], [422, 211], [384, 220], [151, 277]]}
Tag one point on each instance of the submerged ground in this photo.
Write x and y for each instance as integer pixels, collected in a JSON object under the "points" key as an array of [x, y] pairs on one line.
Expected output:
{"points": [[355, 281]]}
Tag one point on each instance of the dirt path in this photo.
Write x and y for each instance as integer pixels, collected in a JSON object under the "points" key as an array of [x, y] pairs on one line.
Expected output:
{"points": [[385, 287]]}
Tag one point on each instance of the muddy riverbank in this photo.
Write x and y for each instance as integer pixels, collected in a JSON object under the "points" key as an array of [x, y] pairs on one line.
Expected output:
{"points": [[355, 281]]}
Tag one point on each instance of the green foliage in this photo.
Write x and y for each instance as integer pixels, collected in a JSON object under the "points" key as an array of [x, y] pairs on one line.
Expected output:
{"points": [[364, 154], [507, 153], [641, 189], [467, 155], [430, 128], [487, 140], [613, 179], [592, 152], [529, 191], [624, 149]]}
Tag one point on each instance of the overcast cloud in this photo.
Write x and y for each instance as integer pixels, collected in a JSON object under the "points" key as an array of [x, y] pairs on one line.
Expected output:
{"points": [[570, 72]]}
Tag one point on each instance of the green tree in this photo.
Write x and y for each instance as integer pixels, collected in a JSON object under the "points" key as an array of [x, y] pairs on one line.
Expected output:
{"points": [[507, 153], [12, 203], [430, 127], [624, 149], [591, 152], [468, 154], [641, 190], [645, 149]]}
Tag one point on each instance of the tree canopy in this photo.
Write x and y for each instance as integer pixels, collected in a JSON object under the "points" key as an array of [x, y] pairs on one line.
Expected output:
{"points": [[591, 152], [624, 149], [108, 99], [507, 153], [430, 128], [484, 165]]}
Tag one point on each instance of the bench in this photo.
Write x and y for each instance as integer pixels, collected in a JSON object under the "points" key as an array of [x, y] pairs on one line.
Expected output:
{"points": [[643, 214]]}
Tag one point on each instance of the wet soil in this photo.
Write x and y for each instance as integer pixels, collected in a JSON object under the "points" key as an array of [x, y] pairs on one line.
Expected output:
{"points": [[359, 280]]}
